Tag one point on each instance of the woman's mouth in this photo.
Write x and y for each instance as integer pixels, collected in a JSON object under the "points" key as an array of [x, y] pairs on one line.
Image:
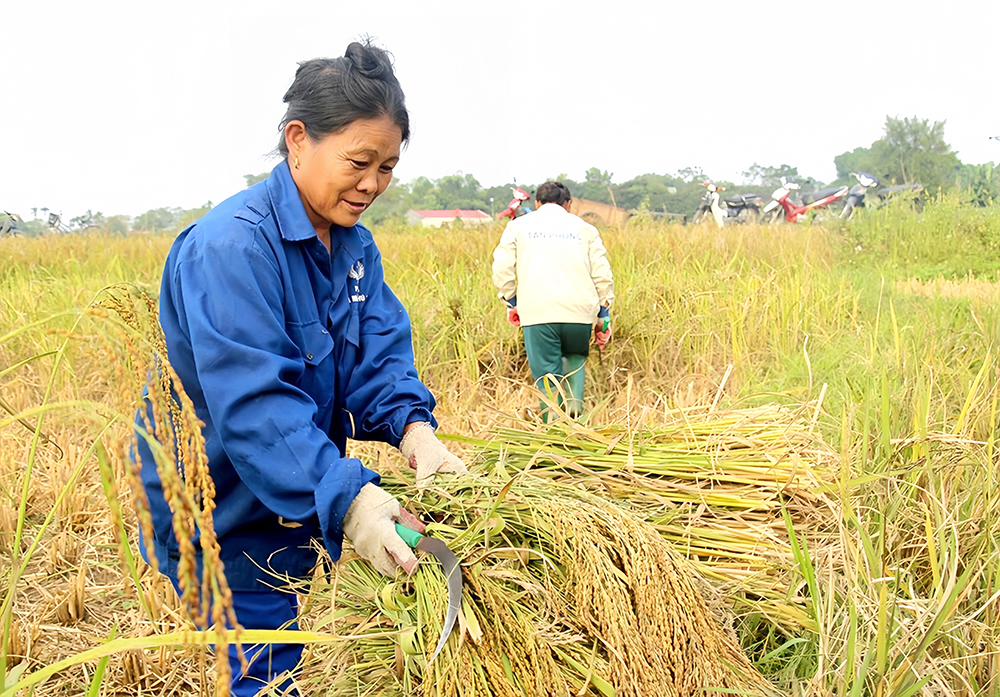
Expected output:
{"points": [[356, 207]]}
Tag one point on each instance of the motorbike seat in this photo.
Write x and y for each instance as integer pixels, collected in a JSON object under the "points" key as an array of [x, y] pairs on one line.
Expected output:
{"points": [[822, 193], [741, 199]]}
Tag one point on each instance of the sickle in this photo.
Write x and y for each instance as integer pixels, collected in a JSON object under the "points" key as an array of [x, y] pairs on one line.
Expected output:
{"points": [[449, 563]]}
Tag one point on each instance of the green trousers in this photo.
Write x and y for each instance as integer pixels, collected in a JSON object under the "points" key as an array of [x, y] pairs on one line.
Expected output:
{"points": [[556, 354]]}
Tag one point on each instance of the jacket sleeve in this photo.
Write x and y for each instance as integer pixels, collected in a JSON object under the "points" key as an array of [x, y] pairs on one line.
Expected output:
{"points": [[384, 392], [505, 264], [600, 271], [229, 298]]}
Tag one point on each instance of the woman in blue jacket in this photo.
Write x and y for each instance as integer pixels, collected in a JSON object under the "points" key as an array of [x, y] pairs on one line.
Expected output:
{"points": [[281, 328]]}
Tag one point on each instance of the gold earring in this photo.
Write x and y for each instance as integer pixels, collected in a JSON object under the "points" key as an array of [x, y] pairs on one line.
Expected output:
{"points": [[296, 162]]}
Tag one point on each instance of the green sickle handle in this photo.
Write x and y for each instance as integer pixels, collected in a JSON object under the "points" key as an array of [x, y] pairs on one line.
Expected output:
{"points": [[410, 537], [607, 323]]}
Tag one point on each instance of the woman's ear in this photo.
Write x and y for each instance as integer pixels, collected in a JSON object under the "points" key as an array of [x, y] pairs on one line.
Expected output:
{"points": [[295, 135]]}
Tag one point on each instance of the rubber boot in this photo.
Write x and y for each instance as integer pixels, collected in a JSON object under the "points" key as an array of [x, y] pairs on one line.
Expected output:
{"points": [[573, 385]]}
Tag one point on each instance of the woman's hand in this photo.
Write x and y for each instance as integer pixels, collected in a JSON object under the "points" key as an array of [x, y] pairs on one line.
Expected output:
{"points": [[370, 525], [426, 454], [602, 327]]}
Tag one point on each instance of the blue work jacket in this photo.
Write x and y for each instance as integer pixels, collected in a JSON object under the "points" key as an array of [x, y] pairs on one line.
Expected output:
{"points": [[286, 350]]}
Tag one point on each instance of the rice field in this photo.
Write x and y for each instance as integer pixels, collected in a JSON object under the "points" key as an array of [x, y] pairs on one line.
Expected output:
{"points": [[787, 451]]}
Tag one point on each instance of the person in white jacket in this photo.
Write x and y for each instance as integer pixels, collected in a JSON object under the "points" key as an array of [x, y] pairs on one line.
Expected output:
{"points": [[552, 270]]}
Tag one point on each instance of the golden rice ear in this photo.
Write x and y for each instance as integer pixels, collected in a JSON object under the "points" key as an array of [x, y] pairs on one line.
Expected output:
{"points": [[173, 432]]}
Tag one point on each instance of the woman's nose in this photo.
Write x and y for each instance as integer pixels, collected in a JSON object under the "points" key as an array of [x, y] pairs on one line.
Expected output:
{"points": [[368, 181]]}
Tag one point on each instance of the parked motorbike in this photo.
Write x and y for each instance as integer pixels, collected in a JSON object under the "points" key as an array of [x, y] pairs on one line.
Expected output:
{"points": [[859, 193], [739, 208], [9, 224], [516, 207], [856, 196], [815, 200]]}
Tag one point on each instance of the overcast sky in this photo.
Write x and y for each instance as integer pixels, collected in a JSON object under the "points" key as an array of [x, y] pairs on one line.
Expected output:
{"points": [[123, 107]]}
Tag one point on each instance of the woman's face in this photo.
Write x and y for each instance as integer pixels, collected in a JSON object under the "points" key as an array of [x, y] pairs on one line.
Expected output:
{"points": [[339, 176]]}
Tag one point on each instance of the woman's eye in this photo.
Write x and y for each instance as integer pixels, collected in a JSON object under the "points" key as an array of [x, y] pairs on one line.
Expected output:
{"points": [[386, 169], [359, 164]]}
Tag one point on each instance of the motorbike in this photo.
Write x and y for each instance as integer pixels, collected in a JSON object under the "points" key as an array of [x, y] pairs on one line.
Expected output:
{"points": [[815, 200], [856, 196], [859, 192], [515, 209], [739, 208], [9, 224]]}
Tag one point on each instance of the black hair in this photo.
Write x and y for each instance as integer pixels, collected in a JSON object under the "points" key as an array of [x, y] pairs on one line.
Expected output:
{"points": [[329, 94], [553, 192]]}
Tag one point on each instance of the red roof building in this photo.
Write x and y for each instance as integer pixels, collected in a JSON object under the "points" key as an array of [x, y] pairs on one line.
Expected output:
{"points": [[445, 218]]}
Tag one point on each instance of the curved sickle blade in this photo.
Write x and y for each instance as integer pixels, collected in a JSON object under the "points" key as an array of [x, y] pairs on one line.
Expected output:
{"points": [[449, 562]]}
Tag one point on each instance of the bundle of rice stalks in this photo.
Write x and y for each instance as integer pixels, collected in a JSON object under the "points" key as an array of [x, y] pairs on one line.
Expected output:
{"points": [[722, 487], [565, 593]]}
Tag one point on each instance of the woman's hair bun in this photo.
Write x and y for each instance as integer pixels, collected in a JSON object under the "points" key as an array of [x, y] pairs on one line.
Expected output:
{"points": [[329, 94], [370, 62]]}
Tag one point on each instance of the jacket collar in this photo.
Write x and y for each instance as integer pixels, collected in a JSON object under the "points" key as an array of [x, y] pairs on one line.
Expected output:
{"points": [[289, 213], [551, 208], [293, 223]]}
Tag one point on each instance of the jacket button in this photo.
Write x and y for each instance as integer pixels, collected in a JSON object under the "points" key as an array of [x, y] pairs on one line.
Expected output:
{"points": [[309, 356]]}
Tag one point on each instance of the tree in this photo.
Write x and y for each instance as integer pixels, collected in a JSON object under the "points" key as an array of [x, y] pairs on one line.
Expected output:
{"points": [[192, 214], [979, 183], [596, 185], [254, 178], [770, 177], [158, 219], [691, 174], [460, 191], [910, 151], [394, 202], [118, 225]]}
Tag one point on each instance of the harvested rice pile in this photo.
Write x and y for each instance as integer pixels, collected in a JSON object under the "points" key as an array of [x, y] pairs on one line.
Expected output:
{"points": [[565, 593], [583, 551], [720, 486]]}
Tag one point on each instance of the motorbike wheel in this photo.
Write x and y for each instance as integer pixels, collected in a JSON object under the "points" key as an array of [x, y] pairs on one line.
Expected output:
{"points": [[699, 216], [849, 206], [773, 216]]}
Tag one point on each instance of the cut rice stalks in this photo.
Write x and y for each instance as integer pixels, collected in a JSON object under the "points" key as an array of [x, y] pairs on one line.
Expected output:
{"points": [[714, 484], [565, 593]]}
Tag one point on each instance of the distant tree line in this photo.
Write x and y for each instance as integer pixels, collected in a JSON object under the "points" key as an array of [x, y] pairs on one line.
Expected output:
{"points": [[153, 220], [911, 150]]}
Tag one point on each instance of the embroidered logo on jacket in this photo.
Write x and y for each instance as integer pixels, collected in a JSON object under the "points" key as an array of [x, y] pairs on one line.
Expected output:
{"points": [[357, 272]]}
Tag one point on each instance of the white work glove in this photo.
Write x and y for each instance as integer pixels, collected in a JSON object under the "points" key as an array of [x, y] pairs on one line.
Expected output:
{"points": [[427, 455], [370, 525]]}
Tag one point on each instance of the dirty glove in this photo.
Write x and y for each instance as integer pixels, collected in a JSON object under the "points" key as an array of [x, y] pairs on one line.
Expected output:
{"points": [[512, 315], [427, 455], [602, 327], [370, 525]]}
